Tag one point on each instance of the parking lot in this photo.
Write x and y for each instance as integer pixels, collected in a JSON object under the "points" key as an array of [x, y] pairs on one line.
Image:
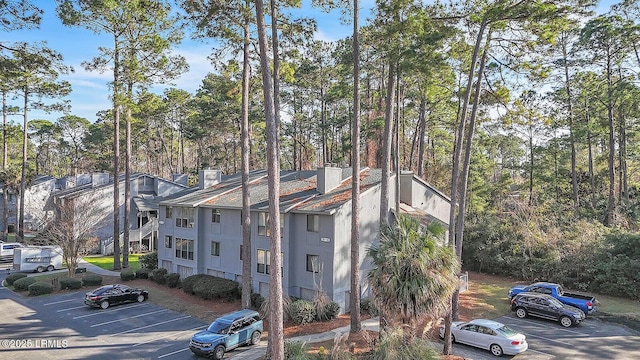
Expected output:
{"points": [[593, 339], [63, 327]]}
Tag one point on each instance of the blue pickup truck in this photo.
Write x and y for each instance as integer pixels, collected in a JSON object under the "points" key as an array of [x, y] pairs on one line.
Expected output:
{"points": [[586, 303]]}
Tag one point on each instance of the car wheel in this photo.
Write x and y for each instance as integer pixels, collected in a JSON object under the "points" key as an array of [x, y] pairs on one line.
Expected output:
{"points": [[40, 269], [521, 312], [453, 339], [496, 349], [140, 298], [218, 352], [50, 268], [255, 338], [566, 321], [104, 304]]}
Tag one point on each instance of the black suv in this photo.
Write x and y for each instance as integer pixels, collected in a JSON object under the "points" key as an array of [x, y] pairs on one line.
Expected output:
{"points": [[546, 307]]}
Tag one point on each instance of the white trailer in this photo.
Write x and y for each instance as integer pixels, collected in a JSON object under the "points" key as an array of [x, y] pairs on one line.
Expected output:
{"points": [[37, 258]]}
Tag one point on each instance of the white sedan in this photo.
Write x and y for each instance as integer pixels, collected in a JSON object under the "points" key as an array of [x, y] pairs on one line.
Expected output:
{"points": [[489, 335]]}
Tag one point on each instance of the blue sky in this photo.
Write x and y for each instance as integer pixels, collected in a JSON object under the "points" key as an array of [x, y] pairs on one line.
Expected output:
{"points": [[90, 93]]}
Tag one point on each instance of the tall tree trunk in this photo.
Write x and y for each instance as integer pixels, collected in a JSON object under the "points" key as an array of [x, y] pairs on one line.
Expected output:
{"points": [[354, 301], [116, 157], [246, 200], [572, 141], [5, 195], [592, 180], [457, 151], [423, 126], [23, 178], [386, 146], [127, 185], [276, 331], [611, 203], [530, 164]]}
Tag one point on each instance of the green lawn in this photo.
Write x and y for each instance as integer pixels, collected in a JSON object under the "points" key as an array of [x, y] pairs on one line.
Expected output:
{"points": [[106, 262]]}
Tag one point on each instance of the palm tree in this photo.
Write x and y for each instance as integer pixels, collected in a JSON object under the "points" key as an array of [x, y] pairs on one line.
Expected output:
{"points": [[412, 275]]}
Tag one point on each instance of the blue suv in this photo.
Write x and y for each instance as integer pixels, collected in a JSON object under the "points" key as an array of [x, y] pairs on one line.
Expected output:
{"points": [[243, 327]]}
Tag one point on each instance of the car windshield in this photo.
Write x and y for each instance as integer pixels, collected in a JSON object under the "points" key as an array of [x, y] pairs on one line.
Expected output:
{"points": [[506, 331], [219, 327]]}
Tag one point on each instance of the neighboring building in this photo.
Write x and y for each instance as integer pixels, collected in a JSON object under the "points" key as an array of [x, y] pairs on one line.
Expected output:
{"points": [[145, 191], [200, 229], [36, 197]]}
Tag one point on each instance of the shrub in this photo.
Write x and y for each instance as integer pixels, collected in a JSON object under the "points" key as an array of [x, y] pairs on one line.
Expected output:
{"points": [[172, 280], [368, 306], [210, 287], [331, 310], [149, 261], [217, 289], [91, 280], [40, 288], [256, 300], [302, 311], [296, 350], [265, 308], [127, 275], [70, 283], [158, 275], [13, 277], [190, 281], [394, 346], [22, 284], [143, 273]]}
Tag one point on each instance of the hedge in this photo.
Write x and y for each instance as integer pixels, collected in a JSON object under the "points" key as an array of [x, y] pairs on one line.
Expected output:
{"points": [[143, 273], [13, 277], [23, 283], [127, 275], [91, 280], [172, 280], [40, 288], [210, 287], [190, 281], [70, 283], [158, 275]]}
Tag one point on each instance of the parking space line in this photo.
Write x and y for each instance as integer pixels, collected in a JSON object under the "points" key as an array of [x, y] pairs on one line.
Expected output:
{"points": [[130, 317], [555, 328], [144, 327], [548, 339], [172, 353], [58, 302], [97, 312], [73, 308], [162, 337]]}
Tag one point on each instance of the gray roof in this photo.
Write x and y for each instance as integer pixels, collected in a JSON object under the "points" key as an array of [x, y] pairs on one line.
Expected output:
{"points": [[77, 190], [298, 192]]}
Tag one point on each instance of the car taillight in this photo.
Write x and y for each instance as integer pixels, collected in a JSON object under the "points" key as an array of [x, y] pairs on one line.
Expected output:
{"points": [[513, 300], [94, 298], [589, 304], [515, 343]]}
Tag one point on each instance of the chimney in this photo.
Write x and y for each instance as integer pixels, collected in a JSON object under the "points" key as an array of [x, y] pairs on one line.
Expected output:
{"points": [[329, 177], [98, 179], [208, 178], [181, 179]]}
